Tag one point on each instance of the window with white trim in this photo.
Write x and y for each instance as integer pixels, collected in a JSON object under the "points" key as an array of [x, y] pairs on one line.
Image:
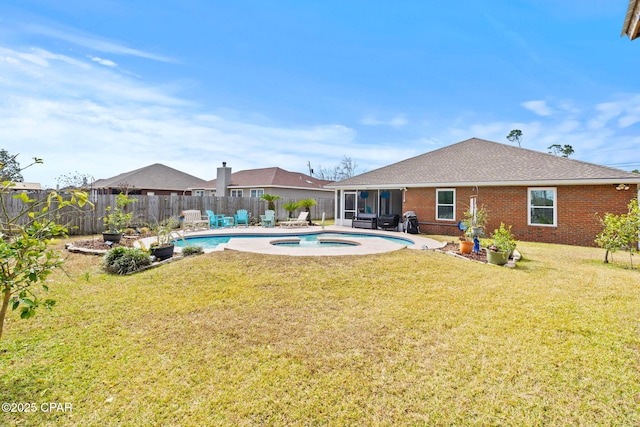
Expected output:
{"points": [[543, 206], [198, 193], [446, 204], [236, 193], [256, 192]]}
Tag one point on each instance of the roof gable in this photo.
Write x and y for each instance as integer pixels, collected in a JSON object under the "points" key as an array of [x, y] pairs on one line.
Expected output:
{"points": [[272, 177], [153, 177], [478, 161]]}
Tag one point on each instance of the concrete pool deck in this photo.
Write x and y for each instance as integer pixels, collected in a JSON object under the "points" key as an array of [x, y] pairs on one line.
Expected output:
{"points": [[365, 246]]}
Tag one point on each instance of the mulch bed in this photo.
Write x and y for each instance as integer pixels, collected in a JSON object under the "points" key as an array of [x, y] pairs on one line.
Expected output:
{"points": [[97, 245], [455, 248]]}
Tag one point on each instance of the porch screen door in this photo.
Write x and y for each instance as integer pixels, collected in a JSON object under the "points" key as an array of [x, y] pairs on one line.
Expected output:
{"points": [[350, 200]]}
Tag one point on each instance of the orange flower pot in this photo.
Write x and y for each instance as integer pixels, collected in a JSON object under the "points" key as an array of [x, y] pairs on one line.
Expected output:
{"points": [[466, 247]]}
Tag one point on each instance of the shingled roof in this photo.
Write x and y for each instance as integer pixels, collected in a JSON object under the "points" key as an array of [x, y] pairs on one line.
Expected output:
{"points": [[481, 162], [273, 177], [153, 177], [631, 26]]}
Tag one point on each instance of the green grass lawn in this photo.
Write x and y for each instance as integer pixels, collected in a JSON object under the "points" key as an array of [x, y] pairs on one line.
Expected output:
{"points": [[405, 338]]}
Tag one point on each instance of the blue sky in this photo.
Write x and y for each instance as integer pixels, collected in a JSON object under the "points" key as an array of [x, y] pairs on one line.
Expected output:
{"points": [[103, 87]]}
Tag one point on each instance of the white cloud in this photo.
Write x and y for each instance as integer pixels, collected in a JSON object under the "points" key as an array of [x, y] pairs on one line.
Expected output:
{"points": [[106, 62], [626, 111], [587, 129], [90, 41], [80, 116], [538, 107]]}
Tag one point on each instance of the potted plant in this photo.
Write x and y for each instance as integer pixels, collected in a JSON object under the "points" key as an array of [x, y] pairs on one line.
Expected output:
{"points": [[162, 248], [466, 243], [475, 221], [116, 219], [502, 245]]}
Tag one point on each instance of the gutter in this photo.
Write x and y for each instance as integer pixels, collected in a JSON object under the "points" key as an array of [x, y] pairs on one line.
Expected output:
{"points": [[527, 183]]}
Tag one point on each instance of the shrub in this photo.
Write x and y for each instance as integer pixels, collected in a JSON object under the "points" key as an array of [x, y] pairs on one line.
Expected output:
{"points": [[123, 260], [503, 240], [621, 231], [115, 220], [192, 250]]}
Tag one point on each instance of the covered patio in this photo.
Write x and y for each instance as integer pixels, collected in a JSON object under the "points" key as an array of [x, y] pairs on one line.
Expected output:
{"points": [[367, 204]]}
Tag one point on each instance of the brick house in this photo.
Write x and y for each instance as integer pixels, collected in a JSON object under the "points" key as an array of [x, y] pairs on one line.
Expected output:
{"points": [[545, 198]]}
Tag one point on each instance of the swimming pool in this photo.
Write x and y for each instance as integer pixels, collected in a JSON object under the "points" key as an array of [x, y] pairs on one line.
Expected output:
{"points": [[212, 241]]}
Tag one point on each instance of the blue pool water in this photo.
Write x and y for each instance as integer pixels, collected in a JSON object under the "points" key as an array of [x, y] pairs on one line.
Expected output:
{"points": [[210, 242]]}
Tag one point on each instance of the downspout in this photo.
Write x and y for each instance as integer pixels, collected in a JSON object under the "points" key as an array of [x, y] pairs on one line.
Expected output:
{"points": [[336, 196], [341, 204]]}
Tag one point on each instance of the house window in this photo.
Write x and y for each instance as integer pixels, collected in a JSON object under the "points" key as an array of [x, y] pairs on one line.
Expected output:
{"points": [[445, 204], [236, 193], [542, 206], [255, 192], [199, 193]]}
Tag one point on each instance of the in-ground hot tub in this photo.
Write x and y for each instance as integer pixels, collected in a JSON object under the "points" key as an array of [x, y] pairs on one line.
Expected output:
{"points": [[317, 243]]}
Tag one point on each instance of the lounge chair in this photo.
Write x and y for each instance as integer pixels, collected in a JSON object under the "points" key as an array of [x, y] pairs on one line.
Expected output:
{"points": [[268, 219], [241, 217], [193, 219], [215, 220], [301, 221]]}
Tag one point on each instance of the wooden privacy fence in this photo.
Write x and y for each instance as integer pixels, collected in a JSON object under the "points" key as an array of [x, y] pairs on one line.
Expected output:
{"points": [[152, 209]]}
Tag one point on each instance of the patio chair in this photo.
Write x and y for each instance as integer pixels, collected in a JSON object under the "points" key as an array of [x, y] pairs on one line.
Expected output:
{"points": [[193, 219], [301, 221], [268, 219], [241, 217], [215, 220]]}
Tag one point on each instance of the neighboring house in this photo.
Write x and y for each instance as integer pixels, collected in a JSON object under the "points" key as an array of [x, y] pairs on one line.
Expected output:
{"points": [[26, 186], [546, 198], [156, 179], [631, 26], [256, 182]]}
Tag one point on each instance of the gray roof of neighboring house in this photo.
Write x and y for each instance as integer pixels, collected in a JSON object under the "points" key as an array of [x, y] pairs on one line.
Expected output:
{"points": [[153, 177], [481, 162], [273, 177]]}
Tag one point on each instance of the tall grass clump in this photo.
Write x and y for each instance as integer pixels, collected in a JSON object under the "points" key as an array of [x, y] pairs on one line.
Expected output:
{"points": [[124, 260]]}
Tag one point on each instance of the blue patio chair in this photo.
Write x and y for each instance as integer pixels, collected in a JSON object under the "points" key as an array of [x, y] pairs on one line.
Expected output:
{"points": [[215, 220], [268, 219], [241, 217]]}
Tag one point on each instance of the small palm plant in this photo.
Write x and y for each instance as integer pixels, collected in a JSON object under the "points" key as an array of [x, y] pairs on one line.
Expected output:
{"points": [[270, 198], [306, 204], [290, 207]]}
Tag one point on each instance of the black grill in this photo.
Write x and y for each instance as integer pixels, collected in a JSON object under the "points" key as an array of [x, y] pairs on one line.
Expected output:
{"points": [[388, 221]]}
